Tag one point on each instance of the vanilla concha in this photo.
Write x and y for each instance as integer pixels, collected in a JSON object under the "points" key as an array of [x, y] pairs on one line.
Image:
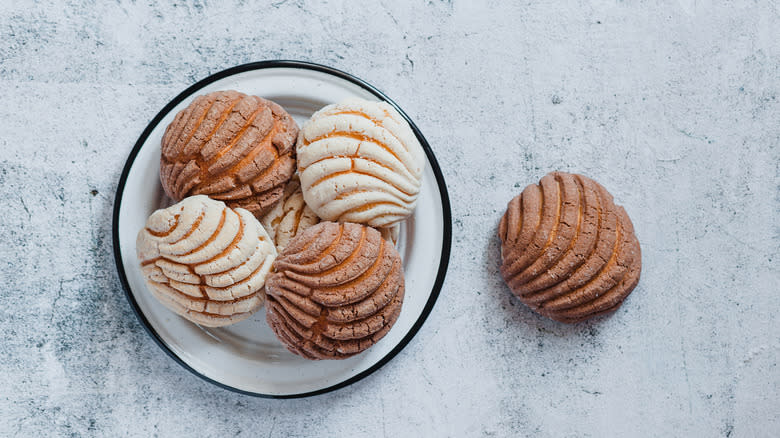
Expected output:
{"points": [[205, 261], [289, 217], [359, 161]]}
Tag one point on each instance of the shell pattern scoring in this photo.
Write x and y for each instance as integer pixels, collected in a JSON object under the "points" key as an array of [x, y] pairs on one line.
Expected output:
{"points": [[337, 290], [205, 261], [567, 250], [359, 161], [232, 147]]}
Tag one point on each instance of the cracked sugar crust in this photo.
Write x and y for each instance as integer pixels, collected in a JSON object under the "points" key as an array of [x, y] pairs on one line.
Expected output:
{"points": [[567, 250], [359, 161], [337, 290], [233, 147], [206, 261]]}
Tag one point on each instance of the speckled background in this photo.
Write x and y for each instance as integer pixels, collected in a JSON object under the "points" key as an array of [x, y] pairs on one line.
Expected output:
{"points": [[674, 107]]}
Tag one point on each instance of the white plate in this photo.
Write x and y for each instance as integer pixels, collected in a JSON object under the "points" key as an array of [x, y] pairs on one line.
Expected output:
{"points": [[246, 357]]}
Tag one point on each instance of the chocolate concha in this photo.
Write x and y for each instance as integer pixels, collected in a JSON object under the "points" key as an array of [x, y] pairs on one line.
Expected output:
{"points": [[359, 161], [337, 290], [567, 250], [232, 147], [206, 261]]}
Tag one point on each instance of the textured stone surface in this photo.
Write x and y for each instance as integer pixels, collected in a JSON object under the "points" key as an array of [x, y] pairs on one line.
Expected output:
{"points": [[673, 108]]}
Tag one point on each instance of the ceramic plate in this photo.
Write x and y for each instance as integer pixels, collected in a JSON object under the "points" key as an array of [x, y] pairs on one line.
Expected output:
{"points": [[246, 357]]}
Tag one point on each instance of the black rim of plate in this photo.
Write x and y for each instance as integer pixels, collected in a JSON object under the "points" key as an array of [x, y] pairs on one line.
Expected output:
{"points": [[446, 219]]}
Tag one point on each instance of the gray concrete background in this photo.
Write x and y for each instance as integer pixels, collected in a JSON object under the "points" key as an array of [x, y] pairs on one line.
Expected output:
{"points": [[673, 107]]}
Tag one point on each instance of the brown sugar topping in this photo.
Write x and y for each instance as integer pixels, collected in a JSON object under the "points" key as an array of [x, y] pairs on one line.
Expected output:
{"points": [[567, 250], [337, 290], [232, 147]]}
